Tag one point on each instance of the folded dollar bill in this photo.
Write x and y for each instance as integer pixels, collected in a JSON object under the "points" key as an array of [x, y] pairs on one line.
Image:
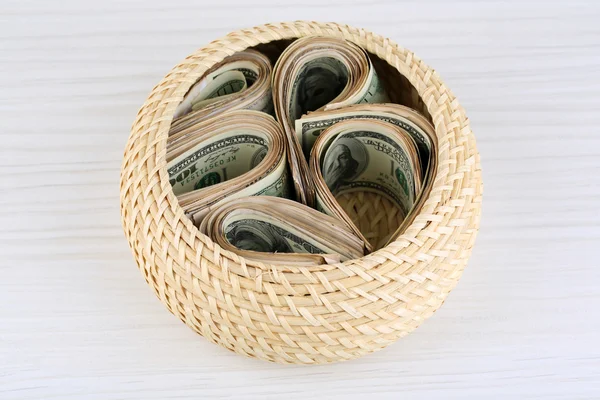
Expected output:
{"points": [[364, 155], [240, 81], [310, 74], [310, 126], [282, 231], [241, 153]]}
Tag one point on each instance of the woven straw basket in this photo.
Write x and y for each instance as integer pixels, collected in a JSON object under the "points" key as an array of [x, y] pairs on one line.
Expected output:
{"points": [[304, 315]]}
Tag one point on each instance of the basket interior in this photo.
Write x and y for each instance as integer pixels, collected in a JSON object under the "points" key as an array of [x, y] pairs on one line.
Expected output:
{"points": [[376, 216]]}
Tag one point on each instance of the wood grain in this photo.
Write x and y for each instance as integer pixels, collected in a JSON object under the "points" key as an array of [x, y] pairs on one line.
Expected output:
{"points": [[78, 321]]}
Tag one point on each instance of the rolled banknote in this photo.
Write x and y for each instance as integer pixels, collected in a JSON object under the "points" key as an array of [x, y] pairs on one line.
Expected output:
{"points": [[281, 231], [310, 126], [240, 81], [314, 72], [241, 153], [365, 155]]}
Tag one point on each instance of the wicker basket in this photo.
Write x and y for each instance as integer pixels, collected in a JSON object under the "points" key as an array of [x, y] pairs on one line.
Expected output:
{"points": [[309, 315]]}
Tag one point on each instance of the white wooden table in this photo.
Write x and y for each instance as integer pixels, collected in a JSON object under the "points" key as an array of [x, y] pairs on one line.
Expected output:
{"points": [[77, 320]]}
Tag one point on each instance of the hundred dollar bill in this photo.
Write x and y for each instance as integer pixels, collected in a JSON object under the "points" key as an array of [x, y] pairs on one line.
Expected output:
{"points": [[276, 230], [371, 92], [241, 81], [319, 81], [365, 155], [226, 84], [310, 126], [239, 154], [310, 74]]}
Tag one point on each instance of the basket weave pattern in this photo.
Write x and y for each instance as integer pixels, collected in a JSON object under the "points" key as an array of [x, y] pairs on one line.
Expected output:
{"points": [[314, 314]]}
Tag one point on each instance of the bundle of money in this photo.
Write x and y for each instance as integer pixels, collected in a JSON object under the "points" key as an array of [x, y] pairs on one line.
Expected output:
{"points": [[365, 155], [241, 81], [335, 135], [310, 74], [242, 153], [310, 127], [276, 230]]}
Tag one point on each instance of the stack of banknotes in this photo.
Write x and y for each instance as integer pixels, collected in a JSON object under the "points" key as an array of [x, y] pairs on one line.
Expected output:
{"points": [[257, 154]]}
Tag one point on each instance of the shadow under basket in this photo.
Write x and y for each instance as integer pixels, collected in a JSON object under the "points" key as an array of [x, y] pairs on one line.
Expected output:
{"points": [[317, 314]]}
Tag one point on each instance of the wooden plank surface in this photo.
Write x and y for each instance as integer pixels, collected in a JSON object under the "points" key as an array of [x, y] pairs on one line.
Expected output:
{"points": [[77, 320]]}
